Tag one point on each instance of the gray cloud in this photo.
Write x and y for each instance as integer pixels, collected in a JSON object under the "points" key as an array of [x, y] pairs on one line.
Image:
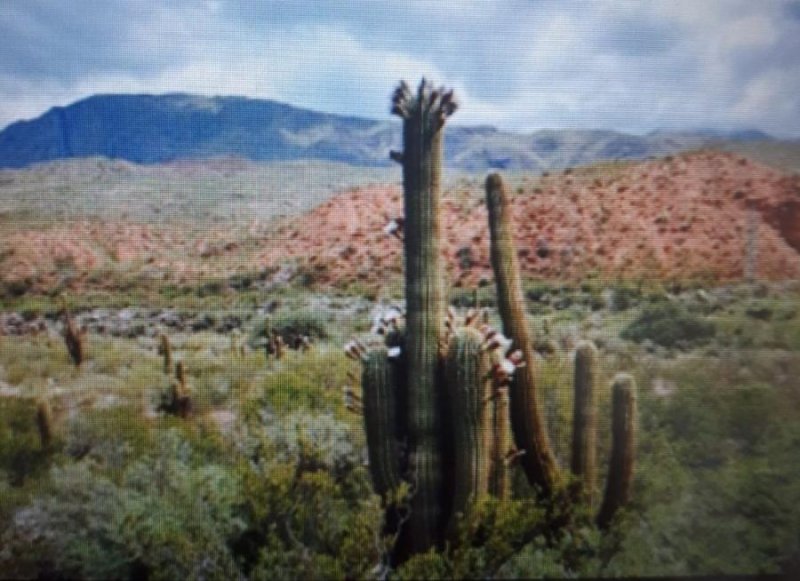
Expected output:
{"points": [[522, 65]]}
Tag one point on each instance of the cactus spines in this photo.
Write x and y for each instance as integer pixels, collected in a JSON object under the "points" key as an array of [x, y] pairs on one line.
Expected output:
{"points": [[623, 443], [44, 423], [584, 424], [526, 417], [165, 350], [467, 372], [423, 117]]}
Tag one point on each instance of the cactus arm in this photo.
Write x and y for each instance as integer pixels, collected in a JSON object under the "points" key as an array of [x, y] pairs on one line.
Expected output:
{"points": [[379, 381], [467, 369], [423, 120], [584, 425], [527, 423], [623, 443]]}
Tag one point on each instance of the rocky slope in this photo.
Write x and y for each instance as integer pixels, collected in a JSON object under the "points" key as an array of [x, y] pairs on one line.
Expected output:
{"points": [[683, 216]]}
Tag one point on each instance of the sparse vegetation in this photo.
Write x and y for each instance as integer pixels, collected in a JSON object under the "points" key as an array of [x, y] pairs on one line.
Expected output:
{"points": [[172, 448]]}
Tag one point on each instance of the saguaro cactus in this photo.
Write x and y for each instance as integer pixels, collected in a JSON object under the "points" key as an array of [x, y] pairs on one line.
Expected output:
{"points": [[526, 417], [584, 424], [435, 396], [424, 116], [623, 443]]}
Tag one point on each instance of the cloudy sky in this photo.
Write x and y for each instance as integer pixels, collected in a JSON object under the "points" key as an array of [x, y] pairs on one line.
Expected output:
{"points": [[518, 64]]}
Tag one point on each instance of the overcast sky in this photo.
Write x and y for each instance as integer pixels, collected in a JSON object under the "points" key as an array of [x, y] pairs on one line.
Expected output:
{"points": [[521, 64]]}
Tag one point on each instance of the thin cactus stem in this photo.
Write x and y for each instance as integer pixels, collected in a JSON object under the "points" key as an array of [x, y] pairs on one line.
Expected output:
{"points": [[623, 443], [74, 340], [44, 423], [182, 394], [527, 422], [467, 376], [584, 424], [499, 483], [423, 119], [166, 352]]}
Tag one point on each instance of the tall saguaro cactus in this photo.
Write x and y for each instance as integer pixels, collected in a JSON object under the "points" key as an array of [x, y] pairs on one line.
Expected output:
{"points": [[424, 116], [526, 417]]}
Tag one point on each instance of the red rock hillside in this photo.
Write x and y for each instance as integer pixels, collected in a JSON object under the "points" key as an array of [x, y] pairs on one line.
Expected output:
{"points": [[684, 216]]}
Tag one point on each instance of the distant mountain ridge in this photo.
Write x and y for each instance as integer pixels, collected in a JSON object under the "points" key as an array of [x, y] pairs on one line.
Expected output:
{"points": [[151, 129]]}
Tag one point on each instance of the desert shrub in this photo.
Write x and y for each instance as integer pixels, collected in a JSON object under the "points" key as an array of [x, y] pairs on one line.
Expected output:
{"points": [[624, 297], [311, 439], [309, 501], [669, 325], [21, 453], [168, 517], [289, 325]]}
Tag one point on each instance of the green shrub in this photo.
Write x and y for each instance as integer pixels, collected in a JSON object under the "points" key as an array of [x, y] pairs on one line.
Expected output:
{"points": [[289, 325], [21, 452], [669, 325]]}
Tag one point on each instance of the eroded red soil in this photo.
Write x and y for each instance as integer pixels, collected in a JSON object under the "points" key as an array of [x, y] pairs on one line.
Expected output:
{"points": [[679, 217]]}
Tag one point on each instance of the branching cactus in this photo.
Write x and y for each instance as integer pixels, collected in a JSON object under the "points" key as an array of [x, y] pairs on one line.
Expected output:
{"points": [[439, 390], [528, 425]]}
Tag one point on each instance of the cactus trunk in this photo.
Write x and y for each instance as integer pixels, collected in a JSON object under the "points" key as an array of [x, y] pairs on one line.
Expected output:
{"points": [[423, 120], [526, 417], [584, 425], [623, 443]]}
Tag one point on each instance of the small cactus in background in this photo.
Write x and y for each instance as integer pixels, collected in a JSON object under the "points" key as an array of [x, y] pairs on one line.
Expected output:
{"points": [[177, 400], [44, 423], [183, 400], [75, 340], [165, 350]]}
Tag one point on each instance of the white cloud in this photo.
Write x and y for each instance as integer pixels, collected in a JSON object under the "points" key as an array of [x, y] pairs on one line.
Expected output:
{"points": [[521, 65]]}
